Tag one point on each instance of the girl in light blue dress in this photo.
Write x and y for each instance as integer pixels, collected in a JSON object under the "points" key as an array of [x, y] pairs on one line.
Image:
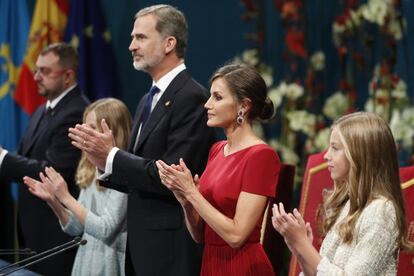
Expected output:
{"points": [[99, 214]]}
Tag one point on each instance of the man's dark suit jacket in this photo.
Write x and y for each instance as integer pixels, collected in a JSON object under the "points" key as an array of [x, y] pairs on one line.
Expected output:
{"points": [[46, 144], [158, 241]]}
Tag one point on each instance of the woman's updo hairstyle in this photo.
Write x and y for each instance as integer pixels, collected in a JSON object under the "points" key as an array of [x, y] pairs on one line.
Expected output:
{"points": [[245, 82]]}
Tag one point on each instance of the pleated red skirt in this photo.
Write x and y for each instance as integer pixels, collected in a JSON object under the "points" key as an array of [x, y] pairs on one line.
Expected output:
{"points": [[250, 259]]}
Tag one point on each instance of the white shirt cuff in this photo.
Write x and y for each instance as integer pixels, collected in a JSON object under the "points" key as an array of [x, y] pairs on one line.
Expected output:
{"points": [[108, 165], [2, 155]]}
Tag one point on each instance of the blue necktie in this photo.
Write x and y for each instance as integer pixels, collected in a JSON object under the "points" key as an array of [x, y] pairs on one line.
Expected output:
{"points": [[147, 107], [146, 112]]}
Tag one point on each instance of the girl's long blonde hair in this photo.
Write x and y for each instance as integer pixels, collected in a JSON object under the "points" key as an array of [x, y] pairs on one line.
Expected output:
{"points": [[371, 151], [119, 120]]}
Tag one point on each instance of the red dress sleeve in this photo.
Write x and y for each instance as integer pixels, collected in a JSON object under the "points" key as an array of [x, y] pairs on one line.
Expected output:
{"points": [[261, 172]]}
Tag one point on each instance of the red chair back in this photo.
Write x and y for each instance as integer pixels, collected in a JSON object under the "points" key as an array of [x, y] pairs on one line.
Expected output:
{"points": [[406, 261], [315, 180]]}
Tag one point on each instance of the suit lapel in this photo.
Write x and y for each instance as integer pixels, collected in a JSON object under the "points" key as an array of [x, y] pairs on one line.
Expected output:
{"points": [[29, 138], [35, 133], [66, 99], [162, 106]]}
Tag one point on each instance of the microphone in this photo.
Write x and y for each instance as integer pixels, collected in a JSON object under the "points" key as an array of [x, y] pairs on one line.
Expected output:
{"points": [[76, 239], [44, 255], [24, 251]]}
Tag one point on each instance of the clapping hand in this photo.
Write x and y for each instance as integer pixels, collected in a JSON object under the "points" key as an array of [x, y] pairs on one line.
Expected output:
{"points": [[95, 144], [291, 226], [52, 186], [177, 178], [37, 188], [56, 183]]}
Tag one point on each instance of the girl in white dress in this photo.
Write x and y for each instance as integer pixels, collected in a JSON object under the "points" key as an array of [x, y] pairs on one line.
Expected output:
{"points": [[364, 216]]}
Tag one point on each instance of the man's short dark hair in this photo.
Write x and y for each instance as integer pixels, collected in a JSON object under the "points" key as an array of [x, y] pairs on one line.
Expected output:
{"points": [[68, 56]]}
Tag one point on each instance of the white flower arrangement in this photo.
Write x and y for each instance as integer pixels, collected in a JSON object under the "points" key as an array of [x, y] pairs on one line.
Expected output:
{"points": [[355, 18], [317, 61], [266, 72], [292, 91], [276, 96], [387, 93], [400, 90], [370, 106], [336, 105], [375, 11], [402, 126], [250, 57], [387, 96], [321, 140], [287, 154], [396, 28], [301, 120], [379, 12]]}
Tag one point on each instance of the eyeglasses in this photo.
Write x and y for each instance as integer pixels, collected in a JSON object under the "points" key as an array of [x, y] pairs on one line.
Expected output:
{"points": [[45, 72]]}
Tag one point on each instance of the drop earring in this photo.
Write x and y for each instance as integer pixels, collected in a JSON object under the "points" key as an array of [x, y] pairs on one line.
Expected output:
{"points": [[240, 117]]}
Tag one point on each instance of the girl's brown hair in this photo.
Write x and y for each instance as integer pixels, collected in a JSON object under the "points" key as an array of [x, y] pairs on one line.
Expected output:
{"points": [[371, 151]]}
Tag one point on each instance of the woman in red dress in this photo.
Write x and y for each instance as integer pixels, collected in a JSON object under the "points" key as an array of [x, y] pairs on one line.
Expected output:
{"points": [[224, 208]]}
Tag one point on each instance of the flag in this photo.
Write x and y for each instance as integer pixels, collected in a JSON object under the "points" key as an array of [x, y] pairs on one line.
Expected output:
{"points": [[14, 30], [48, 25], [88, 33]]}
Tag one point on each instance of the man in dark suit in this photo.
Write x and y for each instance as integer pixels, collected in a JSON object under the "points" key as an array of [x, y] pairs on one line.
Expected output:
{"points": [[158, 241], [46, 144]]}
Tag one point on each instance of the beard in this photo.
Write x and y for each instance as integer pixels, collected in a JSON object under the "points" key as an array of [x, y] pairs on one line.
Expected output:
{"points": [[50, 92], [147, 64], [42, 91], [139, 66]]}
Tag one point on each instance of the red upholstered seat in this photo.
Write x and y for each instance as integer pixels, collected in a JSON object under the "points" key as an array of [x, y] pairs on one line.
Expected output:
{"points": [[406, 261], [317, 178], [272, 241]]}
